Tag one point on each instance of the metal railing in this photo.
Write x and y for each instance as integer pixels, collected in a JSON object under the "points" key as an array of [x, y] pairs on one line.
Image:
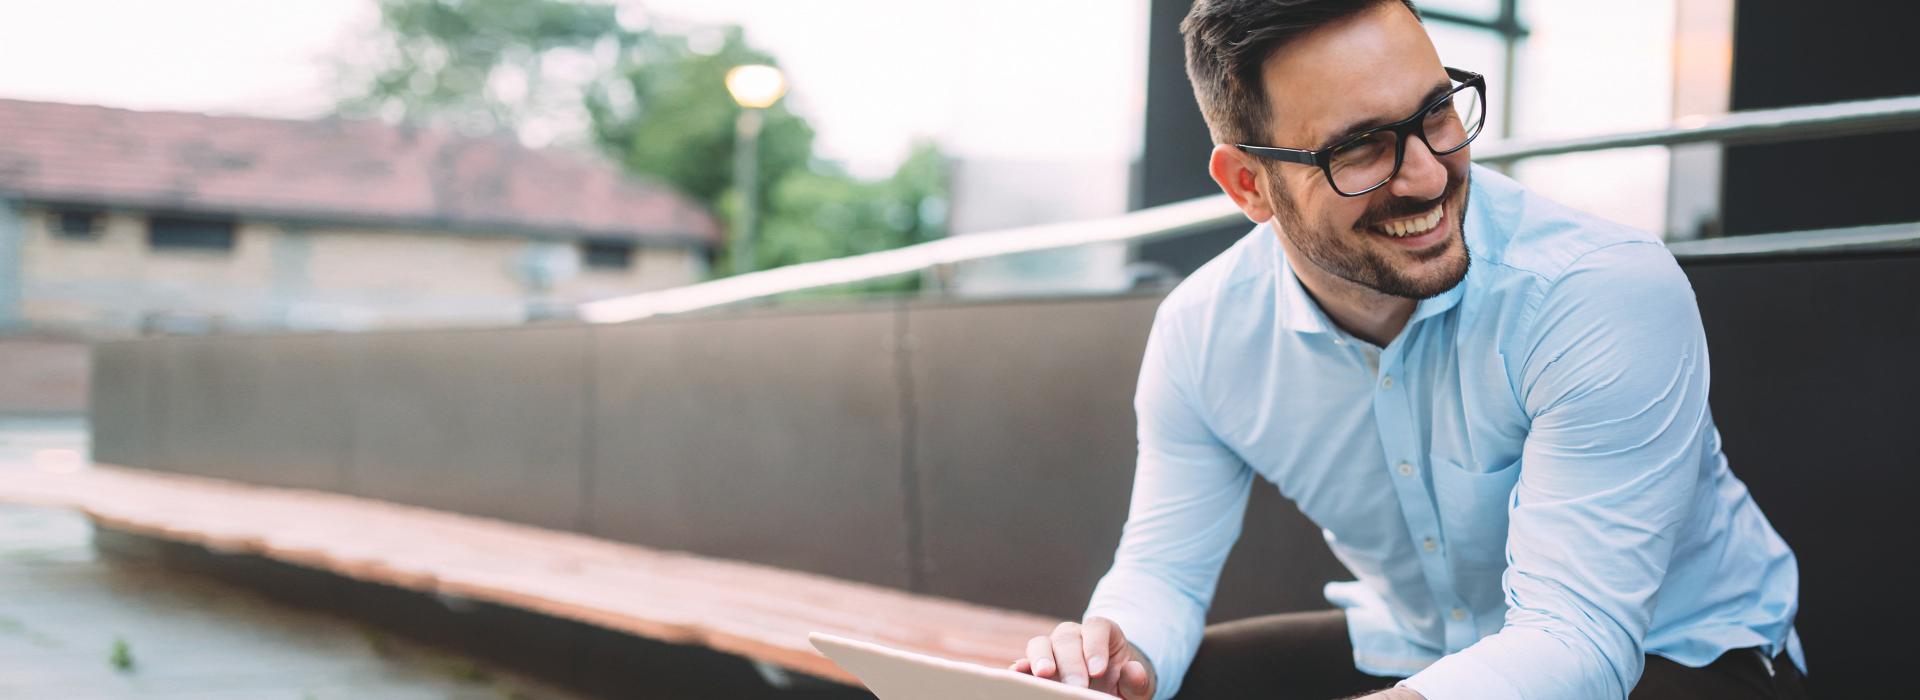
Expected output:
{"points": [[1139, 226], [1748, 127], [1754, 126]]}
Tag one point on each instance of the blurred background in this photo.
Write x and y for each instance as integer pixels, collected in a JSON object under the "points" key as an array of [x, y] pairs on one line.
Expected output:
{"points": [[337, 165], [334, 165], [379, 247]]}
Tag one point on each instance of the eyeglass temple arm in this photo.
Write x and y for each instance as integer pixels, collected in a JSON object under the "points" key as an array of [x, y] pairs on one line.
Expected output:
{"points": [[1290, 155]]}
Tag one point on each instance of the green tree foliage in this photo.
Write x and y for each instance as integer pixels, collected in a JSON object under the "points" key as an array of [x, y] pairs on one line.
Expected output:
{"points": [[653, 102], [904, 209], [825, 214], [675, 119]]}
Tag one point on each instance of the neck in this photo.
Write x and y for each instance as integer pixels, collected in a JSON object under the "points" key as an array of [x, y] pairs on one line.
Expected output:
{"points": [[1367, 314]]}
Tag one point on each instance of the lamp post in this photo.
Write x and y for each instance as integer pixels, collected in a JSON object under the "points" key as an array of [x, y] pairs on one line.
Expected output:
{"points": [[755, 88]]}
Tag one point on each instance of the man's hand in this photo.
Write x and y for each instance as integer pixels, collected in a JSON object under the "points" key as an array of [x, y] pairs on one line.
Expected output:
{"points": [[1094, 655]]}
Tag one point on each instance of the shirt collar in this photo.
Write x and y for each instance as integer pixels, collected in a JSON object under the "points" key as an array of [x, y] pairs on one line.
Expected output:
{"points": [[1297, 310]]}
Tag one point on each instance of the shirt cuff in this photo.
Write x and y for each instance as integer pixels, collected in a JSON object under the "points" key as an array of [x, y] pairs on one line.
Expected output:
{"points": [[1461, 677]]}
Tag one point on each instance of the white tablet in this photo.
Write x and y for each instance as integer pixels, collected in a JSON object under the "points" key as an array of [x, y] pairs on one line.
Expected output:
{"points": [[893, 674]]}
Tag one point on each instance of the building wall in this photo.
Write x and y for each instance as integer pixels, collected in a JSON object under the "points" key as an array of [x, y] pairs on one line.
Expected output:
{"points": [[306, 277], [993, 195], [10, 234], [111, 280]]}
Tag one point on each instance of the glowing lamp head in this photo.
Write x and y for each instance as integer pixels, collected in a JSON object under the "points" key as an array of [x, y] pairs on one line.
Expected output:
{"points": [[756, 87]]}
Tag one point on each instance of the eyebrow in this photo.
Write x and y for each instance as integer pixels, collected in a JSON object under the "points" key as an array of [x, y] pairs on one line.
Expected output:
{"points": [[1364, 125]]}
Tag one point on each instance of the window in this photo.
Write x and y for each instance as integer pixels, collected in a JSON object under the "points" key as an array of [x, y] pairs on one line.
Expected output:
{"points": [[607, 255], [76, 223], [182, 233]]}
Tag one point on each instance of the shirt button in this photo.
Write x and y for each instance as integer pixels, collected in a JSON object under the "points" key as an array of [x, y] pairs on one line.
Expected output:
{"points": [[1339, 341], [1459, 613], [1406, 469], [1387, 382], [1429, 545]]}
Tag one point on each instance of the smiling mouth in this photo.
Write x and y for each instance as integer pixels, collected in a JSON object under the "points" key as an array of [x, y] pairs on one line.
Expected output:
{"points": [[1412, 226]]}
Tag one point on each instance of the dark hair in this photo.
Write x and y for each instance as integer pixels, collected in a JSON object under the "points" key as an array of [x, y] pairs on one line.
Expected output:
{"points": [[1228, 40]]}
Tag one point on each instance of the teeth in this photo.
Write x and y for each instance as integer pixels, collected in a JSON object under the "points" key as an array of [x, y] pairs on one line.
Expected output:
{"points": [[1407, 227]]}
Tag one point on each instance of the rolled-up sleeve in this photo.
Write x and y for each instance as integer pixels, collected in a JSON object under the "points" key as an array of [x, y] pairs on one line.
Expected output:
{"points": [[1613, 375], [1189, 495]]}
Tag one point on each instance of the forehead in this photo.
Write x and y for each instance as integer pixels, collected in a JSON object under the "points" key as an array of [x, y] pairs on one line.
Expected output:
{"points": [[1376, 66]]}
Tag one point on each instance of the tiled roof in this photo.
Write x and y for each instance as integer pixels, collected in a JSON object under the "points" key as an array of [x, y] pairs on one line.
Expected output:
{"points": [[329, 171]]}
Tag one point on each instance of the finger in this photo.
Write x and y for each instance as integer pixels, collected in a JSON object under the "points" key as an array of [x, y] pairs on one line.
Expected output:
{"points": [[1093, 644], [1021, 666], [1135, 683], [1067, 653], [1116, 640], [1040, 652]]}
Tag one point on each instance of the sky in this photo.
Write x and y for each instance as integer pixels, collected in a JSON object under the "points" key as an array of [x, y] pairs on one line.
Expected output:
{"points": [[227, 56], [1007, 79]]}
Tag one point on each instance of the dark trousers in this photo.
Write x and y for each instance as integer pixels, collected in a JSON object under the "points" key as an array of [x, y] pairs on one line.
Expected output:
{"points": [[1309, 656]]}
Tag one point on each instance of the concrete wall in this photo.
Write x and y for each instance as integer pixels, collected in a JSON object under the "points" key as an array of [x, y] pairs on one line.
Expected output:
{"points": [[283, 276], [902, 444], [43, 376]]}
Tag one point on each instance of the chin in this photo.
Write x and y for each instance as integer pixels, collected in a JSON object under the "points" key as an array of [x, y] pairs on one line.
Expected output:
{"points": [[1444, 266], [1429, 271]]}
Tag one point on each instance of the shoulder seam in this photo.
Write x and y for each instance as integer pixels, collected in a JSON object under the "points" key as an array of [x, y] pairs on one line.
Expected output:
{"points": [[1183, 304], [1539, 295], [1554, 277]]}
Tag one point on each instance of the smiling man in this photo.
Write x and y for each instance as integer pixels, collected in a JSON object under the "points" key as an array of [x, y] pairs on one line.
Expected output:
{"points": [[1494, 406]]}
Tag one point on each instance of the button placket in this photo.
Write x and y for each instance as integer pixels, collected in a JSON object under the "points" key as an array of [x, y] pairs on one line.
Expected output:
{"points": [[1394, 421]]}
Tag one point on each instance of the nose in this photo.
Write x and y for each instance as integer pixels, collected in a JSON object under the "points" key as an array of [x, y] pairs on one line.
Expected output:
{"points": [[1422, 176]]}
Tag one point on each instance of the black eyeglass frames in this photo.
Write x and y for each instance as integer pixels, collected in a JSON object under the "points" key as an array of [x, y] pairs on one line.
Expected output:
{"points": [[1361, 164]]}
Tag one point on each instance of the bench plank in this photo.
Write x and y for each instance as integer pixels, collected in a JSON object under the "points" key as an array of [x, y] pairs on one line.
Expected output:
{"points": [[759, 612]]}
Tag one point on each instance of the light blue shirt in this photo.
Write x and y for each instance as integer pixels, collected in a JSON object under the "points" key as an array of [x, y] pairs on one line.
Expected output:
{"points": [[1526, 482]]}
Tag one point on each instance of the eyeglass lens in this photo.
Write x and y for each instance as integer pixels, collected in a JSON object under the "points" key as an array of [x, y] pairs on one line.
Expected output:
{"points": [[1370, 160]]}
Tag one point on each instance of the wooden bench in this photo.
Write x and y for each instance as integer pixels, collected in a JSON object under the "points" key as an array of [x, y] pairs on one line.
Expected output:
{"points": [[757, 612]]}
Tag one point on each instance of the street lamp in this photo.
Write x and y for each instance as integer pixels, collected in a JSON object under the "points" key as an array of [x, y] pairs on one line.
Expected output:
{"points": [[755, 88]]}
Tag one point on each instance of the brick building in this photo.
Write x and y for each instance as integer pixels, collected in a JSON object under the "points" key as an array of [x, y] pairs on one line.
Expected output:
{"points": [[115, 221]]}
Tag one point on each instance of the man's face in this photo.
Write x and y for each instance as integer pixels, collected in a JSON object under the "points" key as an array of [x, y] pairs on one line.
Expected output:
{"points": [[1371, 69]]}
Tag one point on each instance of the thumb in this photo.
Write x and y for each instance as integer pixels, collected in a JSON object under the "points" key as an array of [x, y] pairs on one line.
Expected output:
{"points": [[1135, 684]]}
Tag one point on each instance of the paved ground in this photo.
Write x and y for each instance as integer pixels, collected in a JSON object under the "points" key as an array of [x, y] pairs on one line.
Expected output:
{"points": [[75, 625]]}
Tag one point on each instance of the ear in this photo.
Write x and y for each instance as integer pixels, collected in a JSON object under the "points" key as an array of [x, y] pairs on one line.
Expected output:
{"points": [[1241, 177]]}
